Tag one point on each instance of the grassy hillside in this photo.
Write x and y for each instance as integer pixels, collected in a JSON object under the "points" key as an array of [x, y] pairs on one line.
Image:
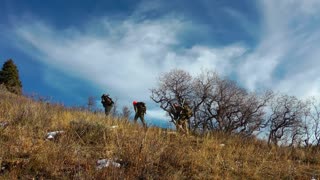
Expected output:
{"points": [[142, 154]]}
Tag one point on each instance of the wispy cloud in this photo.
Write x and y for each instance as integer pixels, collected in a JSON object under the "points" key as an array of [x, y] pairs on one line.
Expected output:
{"points": [[243, 21], [286, 57]]}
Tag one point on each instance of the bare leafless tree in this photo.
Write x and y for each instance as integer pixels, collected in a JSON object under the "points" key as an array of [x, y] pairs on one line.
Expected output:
{"points": [[91, 103], [232, 109], [218, 104], [315, 122], [287, 113], [304, 135], [114, 110], [174, 87], [203, 89], [126, 112]]}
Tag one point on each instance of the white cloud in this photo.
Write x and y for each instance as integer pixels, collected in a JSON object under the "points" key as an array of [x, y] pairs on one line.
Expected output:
{"points": [[304, 84], [289, 46]]}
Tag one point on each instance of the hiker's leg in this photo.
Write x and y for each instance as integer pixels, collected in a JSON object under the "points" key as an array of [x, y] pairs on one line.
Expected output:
{"points": [[142, 120], [185, 127], [136, 116], [179, 126], [107, 110]]}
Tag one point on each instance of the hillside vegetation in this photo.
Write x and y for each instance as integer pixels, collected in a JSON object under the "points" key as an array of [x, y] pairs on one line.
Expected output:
{"points": [[151, 153]]}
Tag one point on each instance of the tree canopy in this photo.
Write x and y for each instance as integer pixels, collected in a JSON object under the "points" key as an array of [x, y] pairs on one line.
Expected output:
{"points": [[9, 76]]}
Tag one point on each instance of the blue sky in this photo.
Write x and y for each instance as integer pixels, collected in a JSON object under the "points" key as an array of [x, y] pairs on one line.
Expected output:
{"points": [[70, 50]]}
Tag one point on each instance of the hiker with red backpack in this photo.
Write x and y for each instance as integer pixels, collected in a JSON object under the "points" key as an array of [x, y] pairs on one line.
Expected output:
{"points": [[107, 103], [140, 109]]}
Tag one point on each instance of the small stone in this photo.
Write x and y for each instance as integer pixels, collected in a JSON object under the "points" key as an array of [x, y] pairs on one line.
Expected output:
{"points": [[103, 163], [53, 134]]}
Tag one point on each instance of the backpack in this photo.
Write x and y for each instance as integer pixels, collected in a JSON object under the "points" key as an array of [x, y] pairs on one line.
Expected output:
{"points": [[187, 112], [142, 107], [106, 100]]}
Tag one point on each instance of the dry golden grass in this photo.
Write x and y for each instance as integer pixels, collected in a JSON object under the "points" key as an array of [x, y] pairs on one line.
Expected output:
{"points": [[151, 153]]}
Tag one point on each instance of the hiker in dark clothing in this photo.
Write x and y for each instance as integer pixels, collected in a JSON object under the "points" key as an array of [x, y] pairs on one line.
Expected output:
{"points": [[140, 109], [107, 103], [181, 114], [186, 114]]}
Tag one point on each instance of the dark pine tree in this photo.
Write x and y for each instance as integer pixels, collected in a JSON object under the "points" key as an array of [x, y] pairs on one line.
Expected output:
{"points": [[9, 76]]}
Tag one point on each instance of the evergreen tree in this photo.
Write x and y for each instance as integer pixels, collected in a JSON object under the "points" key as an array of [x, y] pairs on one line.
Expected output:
{"points": [[9, 76]]}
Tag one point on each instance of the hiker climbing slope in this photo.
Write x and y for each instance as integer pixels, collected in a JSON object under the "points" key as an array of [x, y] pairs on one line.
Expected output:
{"points": [[185, 113], [140, 110], [107, 103]]}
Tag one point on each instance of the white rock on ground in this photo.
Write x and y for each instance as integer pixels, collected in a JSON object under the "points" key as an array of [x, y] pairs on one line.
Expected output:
{"points": [[53, 134], [106, 163], [4, 124]]}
